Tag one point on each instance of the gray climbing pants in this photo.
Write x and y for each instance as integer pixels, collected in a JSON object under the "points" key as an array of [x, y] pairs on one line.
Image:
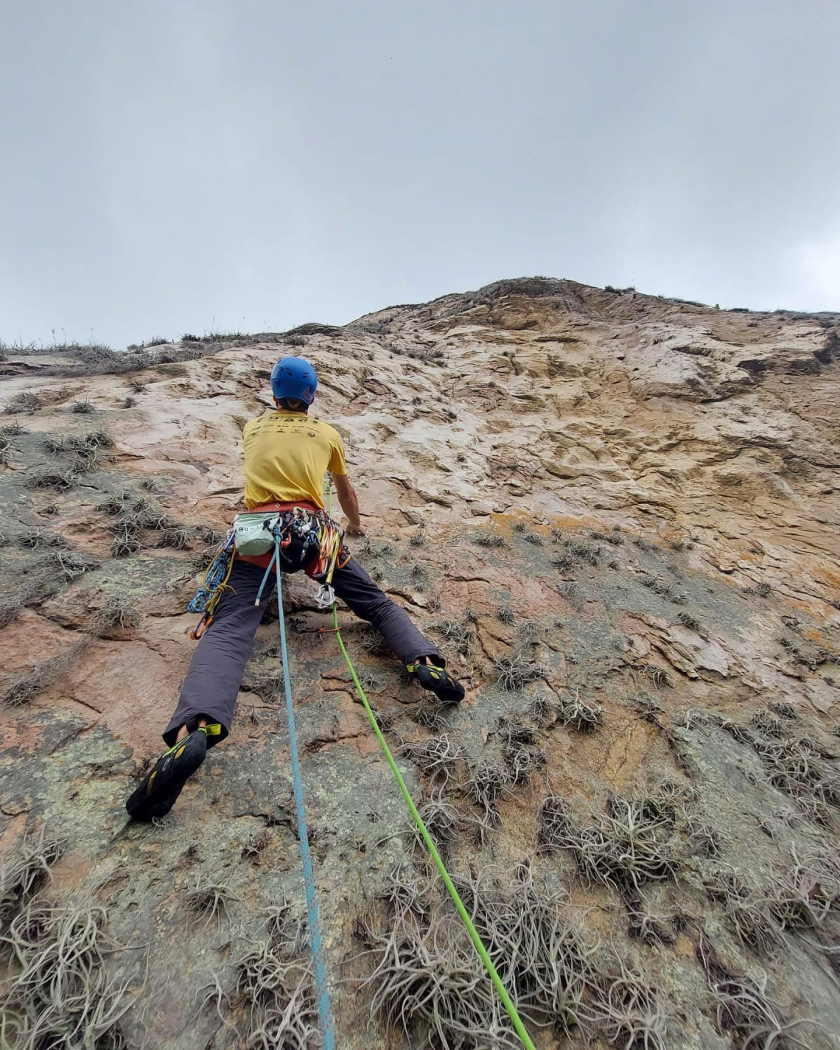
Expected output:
{"points": [[215, 673]]}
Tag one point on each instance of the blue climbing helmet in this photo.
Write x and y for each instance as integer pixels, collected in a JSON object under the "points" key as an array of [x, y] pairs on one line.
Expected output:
{"points": [[294, 377]]}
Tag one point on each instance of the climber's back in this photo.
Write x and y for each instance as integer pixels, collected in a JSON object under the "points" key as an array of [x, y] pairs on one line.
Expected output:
{"points": [[287, 453]]}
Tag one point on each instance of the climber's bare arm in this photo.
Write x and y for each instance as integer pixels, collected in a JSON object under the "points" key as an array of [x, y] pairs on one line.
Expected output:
{"points": [[349, 504]]}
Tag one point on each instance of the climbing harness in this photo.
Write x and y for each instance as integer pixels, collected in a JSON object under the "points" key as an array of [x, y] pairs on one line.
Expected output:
{"points": [[309, 540], [213, 586]]}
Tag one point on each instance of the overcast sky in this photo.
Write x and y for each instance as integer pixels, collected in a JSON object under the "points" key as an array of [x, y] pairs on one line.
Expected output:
{"points": [[171, 166]]}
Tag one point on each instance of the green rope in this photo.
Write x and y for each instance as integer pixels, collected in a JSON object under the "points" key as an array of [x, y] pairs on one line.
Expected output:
{"points": [[484, 955]]}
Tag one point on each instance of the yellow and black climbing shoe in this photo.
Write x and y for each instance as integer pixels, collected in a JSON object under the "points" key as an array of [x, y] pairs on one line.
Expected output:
{"points": [[162, 786], [446, 688]]}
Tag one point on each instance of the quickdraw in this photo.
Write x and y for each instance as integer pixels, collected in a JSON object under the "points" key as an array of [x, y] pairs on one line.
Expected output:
{"points": [[214, 585], [332, 553]]}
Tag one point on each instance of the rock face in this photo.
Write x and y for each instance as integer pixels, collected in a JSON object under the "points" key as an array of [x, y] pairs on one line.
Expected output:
{"points": [[619, 517]]}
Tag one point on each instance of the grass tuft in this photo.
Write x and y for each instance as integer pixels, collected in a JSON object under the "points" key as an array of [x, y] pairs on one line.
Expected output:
{"points": [[576, 712], [522, 753], [277, 990], [660, 676], [795, 768], [767, 723], [20, 688], [484, 789], [806, 892], [428, 983], [743, 1010], [489, 540], [663, 588], [515, 671], [431, 716], [582, 550], [176, 538], [32, 588], [543, 711], [436, 758], [443, 822], [372, 642], [689, 621], [24, 402], [126, 540], [419, 575], [52, 478], [10, 430], [26, 872], [703, 838], [628, 1010], [60, 994], [748, 914], [615, 538], [57, 563], [113, 504], [213, 900], [56, 446], [784, 710], [118, 611], [40, 539], [630, 844], [643, 925], [461, 634]]}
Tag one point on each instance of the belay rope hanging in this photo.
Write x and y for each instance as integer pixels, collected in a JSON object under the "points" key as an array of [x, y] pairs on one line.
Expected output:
{"points": [[322, 994], [325, 1019]]}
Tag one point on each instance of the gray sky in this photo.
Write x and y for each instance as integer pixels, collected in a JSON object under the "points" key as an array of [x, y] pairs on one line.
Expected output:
{"points": [[182, 165]]}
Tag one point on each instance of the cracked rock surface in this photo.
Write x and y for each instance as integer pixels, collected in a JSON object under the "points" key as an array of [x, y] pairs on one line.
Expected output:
{"points": [[587, 497]]}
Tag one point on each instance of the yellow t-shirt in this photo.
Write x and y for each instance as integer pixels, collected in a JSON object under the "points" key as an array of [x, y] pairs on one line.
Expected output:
{"points": [[286, 457]]}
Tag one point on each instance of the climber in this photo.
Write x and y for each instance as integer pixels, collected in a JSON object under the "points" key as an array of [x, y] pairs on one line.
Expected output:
{"points": [[287, 455]]}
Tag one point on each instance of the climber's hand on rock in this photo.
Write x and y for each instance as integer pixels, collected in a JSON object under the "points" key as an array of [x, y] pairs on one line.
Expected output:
{"points": [[354, 528]]}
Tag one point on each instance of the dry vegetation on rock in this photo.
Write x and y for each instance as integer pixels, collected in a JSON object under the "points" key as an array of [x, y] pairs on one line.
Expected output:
{"points": [[613, 513]]}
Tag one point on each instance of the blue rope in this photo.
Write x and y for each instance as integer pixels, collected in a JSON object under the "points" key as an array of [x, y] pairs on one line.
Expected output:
{"points": [[315, 946], [275, 557]]}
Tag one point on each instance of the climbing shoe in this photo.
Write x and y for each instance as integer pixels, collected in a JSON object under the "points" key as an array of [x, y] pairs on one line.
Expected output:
{"points": [[162, 786], [446, 688]]}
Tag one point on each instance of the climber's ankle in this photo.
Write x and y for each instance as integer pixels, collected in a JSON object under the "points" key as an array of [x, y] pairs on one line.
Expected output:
{"points": [[182, 732]]}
